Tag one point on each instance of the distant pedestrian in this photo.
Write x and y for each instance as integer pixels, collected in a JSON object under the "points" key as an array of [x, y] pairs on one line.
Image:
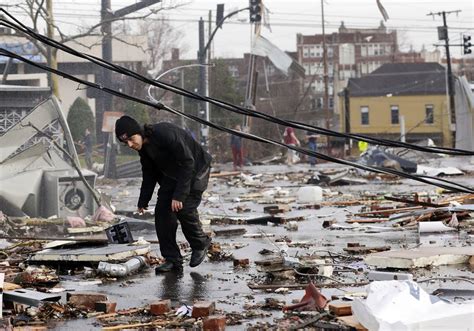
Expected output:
{"points": [[289, 138], [312, 145], [88, 148], [237, 149], [171, 158], [363, 145]]}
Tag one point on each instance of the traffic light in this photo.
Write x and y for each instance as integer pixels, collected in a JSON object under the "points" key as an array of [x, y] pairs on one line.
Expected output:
{"points": [[255, 11], [467, 44]]}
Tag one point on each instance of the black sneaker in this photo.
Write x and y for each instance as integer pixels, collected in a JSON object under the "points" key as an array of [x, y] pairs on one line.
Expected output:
{"points": [[168, 266], [198, 255]]}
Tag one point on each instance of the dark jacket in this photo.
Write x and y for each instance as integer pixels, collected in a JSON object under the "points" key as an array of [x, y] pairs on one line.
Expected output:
{"points": [[174, 160]]}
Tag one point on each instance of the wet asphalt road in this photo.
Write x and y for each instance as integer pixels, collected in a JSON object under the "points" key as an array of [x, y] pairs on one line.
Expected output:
{"points": [[220, 282]]}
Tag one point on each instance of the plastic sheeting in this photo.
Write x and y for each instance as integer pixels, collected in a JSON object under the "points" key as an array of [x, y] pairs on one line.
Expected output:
{"points": [[404, 306]]}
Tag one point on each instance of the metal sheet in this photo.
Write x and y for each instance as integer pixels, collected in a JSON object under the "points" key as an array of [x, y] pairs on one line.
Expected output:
{"points": [[30, 297]]}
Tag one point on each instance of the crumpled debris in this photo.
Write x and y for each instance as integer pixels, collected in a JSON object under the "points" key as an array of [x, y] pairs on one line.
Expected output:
{"points": [[184, 311], [76, 222], [103, 214], [312, 300], [216, 253], [453, 223]]}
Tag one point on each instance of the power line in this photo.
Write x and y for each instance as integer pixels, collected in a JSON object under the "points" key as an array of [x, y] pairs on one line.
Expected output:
{"points": [[446, 184], [225, 105]]}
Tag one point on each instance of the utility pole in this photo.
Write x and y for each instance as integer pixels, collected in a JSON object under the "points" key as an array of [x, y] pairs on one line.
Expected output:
{"points": [[52, 59], [255, 8], [203, 106], [443, 35], [106, 103], [325, 78]]}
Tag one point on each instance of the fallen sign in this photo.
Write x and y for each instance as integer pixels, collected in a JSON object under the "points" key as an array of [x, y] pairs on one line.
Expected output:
{"points": [[420, 257]]}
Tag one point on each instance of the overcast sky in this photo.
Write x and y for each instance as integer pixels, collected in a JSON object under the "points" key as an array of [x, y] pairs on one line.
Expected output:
{"points": [[287, 18]]}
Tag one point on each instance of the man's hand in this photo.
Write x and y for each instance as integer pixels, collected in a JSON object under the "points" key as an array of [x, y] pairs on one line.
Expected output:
{"points": [[141, 211], [176, 205]]}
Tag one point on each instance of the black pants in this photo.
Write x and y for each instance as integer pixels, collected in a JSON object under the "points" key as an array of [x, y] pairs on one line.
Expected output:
{"points": [[166, 223]]}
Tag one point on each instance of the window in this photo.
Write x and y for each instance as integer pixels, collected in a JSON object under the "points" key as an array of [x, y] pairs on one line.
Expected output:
{"points": [[363, 50], [429, 114], [364, 115], [312, 51], [330, 52], [305, 51], [234, 71], [394, 114]]}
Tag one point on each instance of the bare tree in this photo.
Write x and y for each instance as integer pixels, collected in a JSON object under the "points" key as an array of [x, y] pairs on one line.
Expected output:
{"points": [[162, 37], [39, 13]]}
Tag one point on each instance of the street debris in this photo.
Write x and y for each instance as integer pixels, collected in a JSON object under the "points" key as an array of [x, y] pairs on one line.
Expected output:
{"points": [[300, 253], [415, 309]]}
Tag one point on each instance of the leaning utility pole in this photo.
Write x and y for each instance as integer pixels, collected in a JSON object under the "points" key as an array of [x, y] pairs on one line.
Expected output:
{"points": [[325, 78], [106, 103], [443, 35]]}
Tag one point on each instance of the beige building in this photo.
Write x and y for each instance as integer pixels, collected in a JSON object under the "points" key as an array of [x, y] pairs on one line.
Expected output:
{"points": [[128, 52], [398, 98]]}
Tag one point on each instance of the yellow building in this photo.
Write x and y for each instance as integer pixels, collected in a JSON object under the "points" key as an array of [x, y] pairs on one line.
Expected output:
{"points": [[413, 94]]}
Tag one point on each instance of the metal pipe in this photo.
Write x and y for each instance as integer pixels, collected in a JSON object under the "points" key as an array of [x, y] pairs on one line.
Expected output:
{"points": [[121, 269]]}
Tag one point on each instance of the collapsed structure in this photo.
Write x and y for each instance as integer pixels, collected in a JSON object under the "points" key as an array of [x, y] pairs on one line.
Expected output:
{"points": [[41, 163]]}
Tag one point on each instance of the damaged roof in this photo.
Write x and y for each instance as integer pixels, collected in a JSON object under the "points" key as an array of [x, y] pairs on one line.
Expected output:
{"points": [[401, 79]]}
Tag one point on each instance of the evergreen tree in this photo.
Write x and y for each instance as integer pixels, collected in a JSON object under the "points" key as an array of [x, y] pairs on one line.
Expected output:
{"points": [[80, 118]]}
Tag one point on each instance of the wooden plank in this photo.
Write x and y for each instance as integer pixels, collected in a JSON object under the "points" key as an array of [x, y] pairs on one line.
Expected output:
{"points": [[254, 286], [353, 322], [366, 250], [340, 308], [225, 174], [415, 202], [367, 220], [388, 211]]}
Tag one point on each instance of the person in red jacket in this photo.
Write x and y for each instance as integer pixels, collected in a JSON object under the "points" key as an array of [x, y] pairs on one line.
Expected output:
{"points": [[172, 158], [290, 138]]}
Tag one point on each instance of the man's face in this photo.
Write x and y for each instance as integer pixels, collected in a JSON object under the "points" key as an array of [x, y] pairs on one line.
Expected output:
{"points": [[135, 142]]}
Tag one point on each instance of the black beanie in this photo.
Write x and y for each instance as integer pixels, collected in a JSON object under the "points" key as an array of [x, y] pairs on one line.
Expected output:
{"points": [[125, 127]]}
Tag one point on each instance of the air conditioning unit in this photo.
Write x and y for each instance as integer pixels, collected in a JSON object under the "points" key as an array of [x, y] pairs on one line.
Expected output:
{"points": [[64, 194]]}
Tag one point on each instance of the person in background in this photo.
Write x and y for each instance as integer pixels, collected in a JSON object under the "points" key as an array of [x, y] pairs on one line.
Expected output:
{"points": [[289, 138], [87, 141], [173, 159], [312, 145], [362, 145], [237, 149]]}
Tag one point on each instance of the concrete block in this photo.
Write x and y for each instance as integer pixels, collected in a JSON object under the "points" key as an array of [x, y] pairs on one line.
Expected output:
{"points": [[241, 263], [214, 323], [160, 307], [106, 307], [420, 257], [203, 308], [85, 300]]}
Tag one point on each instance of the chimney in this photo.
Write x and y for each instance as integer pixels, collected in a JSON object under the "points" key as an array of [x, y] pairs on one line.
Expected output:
{"points": [[175, 54]]}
